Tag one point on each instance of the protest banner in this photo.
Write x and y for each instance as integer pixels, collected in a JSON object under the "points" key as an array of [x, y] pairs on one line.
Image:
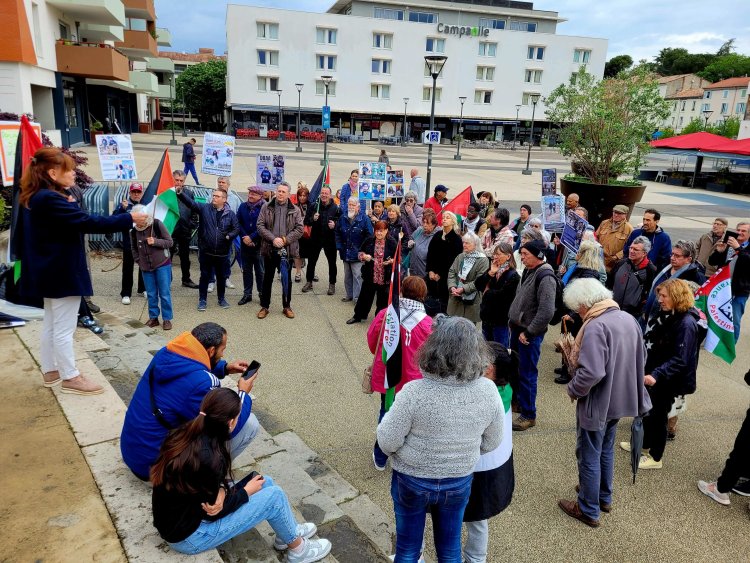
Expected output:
{"points": [[549, 181], [395, 185], [218, 154], [372, 180], [116, 157], [573, 230], [553, 207], [8, 141], [270, 170]]}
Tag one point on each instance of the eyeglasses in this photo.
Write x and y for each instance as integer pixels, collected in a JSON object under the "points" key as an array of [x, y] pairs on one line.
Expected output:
{"points": [[678, 255]]}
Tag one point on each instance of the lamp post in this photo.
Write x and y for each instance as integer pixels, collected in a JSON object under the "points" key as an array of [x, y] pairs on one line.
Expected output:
{"points": [[299, 113], [706, 114], [173, 141], [515, 129], [457, 156], [326, 81], [534, 99], [184, 125], [403, 129], [435, 63], [281, 118]]}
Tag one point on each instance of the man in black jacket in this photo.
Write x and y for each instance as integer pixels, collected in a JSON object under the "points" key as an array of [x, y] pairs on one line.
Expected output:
{"points": [[322, 216], [188, 157], [739, 263], [630, 279], [218, 227], [183, 230]]}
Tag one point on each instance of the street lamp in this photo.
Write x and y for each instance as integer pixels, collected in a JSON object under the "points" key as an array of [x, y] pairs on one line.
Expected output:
{"points": [[457, 156], [403, 129], [281, 118], [706, 114], [173, 141], [299, 112], [534, 99], [326, 81], [435, 63], [184, 125], [515, 129]]}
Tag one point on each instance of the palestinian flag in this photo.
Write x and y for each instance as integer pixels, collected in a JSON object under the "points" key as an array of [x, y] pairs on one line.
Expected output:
{"points": [[27, 144], [391, 331], [460, 203], [160, 196], [714, 298], [322, 181]]}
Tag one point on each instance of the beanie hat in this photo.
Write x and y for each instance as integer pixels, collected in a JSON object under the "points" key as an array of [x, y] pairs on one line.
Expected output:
{"points": [[536, 248]]}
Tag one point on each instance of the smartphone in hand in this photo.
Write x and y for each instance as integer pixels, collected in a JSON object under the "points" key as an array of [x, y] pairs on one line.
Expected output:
{"points": [[251, 370], [728, 234]]}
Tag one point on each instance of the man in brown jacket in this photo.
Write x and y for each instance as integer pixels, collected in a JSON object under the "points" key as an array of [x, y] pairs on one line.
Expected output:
{"points": [[706, 244], [612, 234], [280, 228]]}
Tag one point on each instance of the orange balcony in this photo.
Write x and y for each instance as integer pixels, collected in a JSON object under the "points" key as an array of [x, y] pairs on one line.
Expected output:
{"points": [[138, 45], [143, 9], [92, 60]]}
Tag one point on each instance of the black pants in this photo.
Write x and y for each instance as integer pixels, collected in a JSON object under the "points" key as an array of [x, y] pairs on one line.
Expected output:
{"points": [[329, 247], [655, 424], [252, 261], [83, 309], [370, 291], [738, 462], [270, 265], [183, 250], [127, 273], [209, 264]]}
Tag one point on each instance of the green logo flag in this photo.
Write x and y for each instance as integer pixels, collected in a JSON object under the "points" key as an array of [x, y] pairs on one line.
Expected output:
{"points": [[714, 298]]}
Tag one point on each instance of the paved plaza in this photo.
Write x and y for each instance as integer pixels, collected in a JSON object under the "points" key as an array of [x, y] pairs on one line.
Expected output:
{"points": [[309, 385]]}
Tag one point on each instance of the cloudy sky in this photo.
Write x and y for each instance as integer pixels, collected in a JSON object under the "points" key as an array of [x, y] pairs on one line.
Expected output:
{"points": [[639, 28]]}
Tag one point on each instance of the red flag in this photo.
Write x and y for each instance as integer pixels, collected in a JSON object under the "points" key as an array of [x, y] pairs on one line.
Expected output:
{"points": [[460, 203]]}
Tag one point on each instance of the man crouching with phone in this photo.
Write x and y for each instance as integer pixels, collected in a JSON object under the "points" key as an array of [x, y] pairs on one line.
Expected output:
{"points": [[172, 389]]}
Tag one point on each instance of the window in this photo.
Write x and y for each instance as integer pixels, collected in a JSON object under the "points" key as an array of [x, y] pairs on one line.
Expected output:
{"points": [[423, 17], [325, 36], [482, 96], [487, 49], [268, 30], [681, 120], [435, 45], [693, 108], [523, 26], [573, 77], [581, 56], [268, 58], [724, 108], [707, 95], [386, 14], [705, 107], [740, 108], [268, 84], [535, 52], [381, 66], [485, 73], [743, 92], [492, 24], [64, 30], [427, 94], [320, 88], [71, 108], [526, 98], [382, 40], [726, 94], [684, 103], [325, 62], [534, 76], [674, 106], [135, 24], [382, 91], [38, 45]]}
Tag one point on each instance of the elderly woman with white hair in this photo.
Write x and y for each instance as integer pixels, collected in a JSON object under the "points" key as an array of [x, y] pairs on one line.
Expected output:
{"points": [[607, 364], [150, 242], [434, 434], [464, 298]]}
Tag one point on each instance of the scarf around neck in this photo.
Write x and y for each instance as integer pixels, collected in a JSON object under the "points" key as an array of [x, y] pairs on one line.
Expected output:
{"points": [[595, 311], [468, 262]]}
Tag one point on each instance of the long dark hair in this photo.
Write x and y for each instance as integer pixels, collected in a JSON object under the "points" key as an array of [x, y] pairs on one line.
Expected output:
{"points": [[506, 364], [180, 455], [36, 176]]}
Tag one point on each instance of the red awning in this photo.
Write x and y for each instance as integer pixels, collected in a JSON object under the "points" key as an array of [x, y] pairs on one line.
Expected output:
{"points": [[704, 142]]}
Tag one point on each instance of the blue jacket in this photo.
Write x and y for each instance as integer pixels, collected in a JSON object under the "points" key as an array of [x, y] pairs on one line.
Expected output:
{"points": [[351, 234], [188, 153], [247, 217], [214, 236], [346, 193], [661, 246], [182, 379], [51, 248]]}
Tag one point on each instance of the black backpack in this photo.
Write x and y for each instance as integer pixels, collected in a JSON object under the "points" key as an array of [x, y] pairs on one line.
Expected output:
{"points": [[560, 309]]}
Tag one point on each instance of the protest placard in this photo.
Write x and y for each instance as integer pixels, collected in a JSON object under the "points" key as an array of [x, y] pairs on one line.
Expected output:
{"points": [[116, 157], [573, 230], [218, 154], [553, 207], [549, 181], [270, 170], [8, 140], [395, 186]]}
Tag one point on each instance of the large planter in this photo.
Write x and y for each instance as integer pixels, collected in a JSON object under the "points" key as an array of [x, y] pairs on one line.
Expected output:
{"points": [[672, 181], [600, 199]]}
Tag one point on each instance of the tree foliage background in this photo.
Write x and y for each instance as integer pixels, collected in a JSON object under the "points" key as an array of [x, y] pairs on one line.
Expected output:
{"points": [[203, 87]]}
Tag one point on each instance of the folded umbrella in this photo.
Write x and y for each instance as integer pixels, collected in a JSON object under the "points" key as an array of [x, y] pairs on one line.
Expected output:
{"points": [[636, 444]]}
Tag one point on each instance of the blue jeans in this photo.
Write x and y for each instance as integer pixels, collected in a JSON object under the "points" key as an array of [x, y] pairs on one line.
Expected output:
{"points": [[270, 503], [528, 373], [244, 436], [445, 499], [595, 451], [380, 456], [157, 285], [500, 333], [738, 309], [190, 167]]}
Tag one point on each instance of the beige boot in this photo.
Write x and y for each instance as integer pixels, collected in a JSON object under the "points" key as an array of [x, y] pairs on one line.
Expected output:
{"points": [[79, 385]]}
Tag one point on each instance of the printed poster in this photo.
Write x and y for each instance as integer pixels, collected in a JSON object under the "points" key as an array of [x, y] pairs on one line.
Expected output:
{"points": [[270, 170], [8, 140], [573, 230], [549, 181], [218, 154], [553, 208], [395, 185], [116, 157], [372, 180]]}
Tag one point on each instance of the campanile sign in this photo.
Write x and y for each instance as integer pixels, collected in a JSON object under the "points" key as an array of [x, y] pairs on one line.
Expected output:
{"points": [[462, 30]]}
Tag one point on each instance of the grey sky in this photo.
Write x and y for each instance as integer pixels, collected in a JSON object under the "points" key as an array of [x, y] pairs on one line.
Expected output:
{"points": [[639, 28]]}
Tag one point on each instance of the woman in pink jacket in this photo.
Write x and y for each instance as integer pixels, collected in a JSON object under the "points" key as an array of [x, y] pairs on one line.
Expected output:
{"points": [[416, 326]]}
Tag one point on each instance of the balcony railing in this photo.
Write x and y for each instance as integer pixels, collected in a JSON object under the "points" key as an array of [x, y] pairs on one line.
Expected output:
{"points": [[92, 60]]}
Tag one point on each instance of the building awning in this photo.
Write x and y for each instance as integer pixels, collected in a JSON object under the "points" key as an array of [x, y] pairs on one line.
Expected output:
{"points": [[484, 121], [707, 143], [272, 108]]}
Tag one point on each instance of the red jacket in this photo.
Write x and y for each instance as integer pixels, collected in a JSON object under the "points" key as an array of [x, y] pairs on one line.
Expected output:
{"points": [[434, 204]]}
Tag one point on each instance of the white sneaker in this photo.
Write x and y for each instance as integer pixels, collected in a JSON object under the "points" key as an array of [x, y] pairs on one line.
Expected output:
{"points": [[306, 530], [126, 300], [145, 295], [625, 446], [211, 287], [710, 490], [229, 284], [312, 550]]}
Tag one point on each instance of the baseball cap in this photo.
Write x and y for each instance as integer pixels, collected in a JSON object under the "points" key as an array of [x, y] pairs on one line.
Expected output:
{"points": [[621, 209], [441, 188], [136, 187]]}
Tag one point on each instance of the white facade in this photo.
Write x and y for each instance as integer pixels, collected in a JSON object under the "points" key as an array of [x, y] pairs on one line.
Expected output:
{"points": [[293, 49]]}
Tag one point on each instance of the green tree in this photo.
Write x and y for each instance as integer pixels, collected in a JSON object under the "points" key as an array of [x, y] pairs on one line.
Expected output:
{"points": [[606, 125], [616, 65], [726, 48], [204, 89], [727, 66], [695, 125], [728, 128], [672, 61]]}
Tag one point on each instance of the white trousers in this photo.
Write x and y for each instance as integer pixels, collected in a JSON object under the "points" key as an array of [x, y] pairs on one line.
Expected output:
{"points": [[58, 327], [477, 536]]}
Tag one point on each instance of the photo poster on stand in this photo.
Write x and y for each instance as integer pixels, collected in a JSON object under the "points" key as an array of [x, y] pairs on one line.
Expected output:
{"points": [[549, 181], [395, 185], [116, 157], [372, 180], [553, 208], [573, 230], [8, 141], [270, 170], [218, 154]]}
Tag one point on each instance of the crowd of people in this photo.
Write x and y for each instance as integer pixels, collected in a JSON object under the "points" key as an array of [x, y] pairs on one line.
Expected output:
{"points": [[630, 345]]}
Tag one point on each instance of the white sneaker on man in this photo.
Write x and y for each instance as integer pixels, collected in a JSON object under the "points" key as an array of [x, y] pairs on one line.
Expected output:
{"points": [[229, 284], [305, 531], [126, 300], [309, 551], [211, 287], [710, 490]]}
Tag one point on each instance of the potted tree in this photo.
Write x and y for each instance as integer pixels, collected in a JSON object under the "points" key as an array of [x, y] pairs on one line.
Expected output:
{"points": [[605, 127], [95, 127]]}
